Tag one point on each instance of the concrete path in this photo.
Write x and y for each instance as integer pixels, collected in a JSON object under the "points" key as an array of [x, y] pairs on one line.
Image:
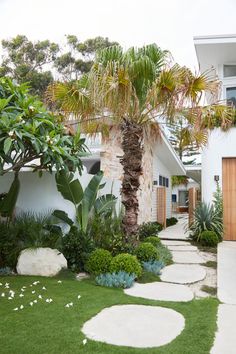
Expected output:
{"points": [[226, 281], [183, 273], [137, 326], [177, 231], [188, 257], [225, 340]]}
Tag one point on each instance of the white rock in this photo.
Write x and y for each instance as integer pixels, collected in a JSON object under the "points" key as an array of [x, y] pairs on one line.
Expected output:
{"points": [[40, 261]]}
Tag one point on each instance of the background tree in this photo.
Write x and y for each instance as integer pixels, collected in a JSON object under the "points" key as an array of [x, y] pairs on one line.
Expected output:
{"points": [[79, 56], [26, 61], [131, 90], [30, 136]]}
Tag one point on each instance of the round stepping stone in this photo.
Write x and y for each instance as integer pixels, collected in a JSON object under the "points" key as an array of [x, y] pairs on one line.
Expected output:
{"points": [[187, 257], [135, 326], [161, 291], [183, 273], [183, 248], [174, 243]]}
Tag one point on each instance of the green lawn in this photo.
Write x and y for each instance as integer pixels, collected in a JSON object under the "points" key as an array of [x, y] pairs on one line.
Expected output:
{"points": [[52, 328]]}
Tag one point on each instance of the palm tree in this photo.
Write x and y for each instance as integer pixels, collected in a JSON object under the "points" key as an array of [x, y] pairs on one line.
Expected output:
{"points": [[135, 90]]}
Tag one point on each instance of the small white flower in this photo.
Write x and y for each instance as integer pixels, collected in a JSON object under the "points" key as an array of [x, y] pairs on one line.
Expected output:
{"points": [[31, 108], [12, 293], [23, 121], [35, 283], [0, 284], [15, 309], [40, 296], [9, 298], [47, 138], [47, 300], [31, 285], [43, 288], [84, 341], [21, 307], [35, 301], [21, 295], [67, 305], [11, 133], [7, 286], [31, 303], [3, 294], [59, 281], [71, 304], [50, 300], [22, 289], [79, 296], [33, 292]]}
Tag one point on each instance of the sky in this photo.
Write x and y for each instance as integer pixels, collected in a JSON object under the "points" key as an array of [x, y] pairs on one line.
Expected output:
{"points": [[169, 23]]}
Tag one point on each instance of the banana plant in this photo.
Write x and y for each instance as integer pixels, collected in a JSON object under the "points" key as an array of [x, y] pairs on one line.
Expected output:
{"points": [[86, 202]]}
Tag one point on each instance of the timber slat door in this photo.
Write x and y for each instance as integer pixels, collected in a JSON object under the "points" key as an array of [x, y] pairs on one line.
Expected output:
{"points": [[161, 205], [229, 198], [192, 202]]}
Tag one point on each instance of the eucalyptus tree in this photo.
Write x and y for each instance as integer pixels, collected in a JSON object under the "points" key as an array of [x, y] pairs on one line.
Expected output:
{"points": [[135, 90]]}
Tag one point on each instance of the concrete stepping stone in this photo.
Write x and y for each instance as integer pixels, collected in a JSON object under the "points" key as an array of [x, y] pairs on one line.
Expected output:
{"points": [[135, 326], [183, 248], [187, 257], [174, 243], [183, 273], [161, 291]]}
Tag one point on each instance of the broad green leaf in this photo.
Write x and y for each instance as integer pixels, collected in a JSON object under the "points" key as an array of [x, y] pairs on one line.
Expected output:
{"points": [[7, 145], [62, 215], [70, 189], [104, 203]]}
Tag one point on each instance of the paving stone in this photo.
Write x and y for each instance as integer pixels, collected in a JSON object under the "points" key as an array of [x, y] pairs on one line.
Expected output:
{"points": [[183, 273], [187, 257], [161, 291], [136, 326], [182, 248], [175, 243]]}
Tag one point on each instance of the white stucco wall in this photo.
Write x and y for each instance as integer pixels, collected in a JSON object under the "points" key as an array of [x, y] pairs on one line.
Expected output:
{"points": [[41, 195], [159, 168], [220, 144]]}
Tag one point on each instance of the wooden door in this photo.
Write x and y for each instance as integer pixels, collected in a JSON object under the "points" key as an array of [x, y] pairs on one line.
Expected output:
{"points": [[229, 198], [161, 206], [192, 202]]}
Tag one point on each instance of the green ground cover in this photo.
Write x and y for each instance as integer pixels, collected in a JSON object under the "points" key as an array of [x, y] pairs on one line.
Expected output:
{"points": [[48, 328]]}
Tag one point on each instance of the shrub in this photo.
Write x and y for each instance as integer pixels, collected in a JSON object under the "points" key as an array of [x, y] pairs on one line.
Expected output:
{"points": [[146, 252], [27, 230], [99, 262], [209, 238], [163, 254], [76, 247], [127, 263], [116, 280], [153, 267], [6, 271], [154, 240], [171, 221], [148, 229]]}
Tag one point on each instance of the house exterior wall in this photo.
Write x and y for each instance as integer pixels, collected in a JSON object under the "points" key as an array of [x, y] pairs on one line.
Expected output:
{"points": [[184, 187], [220, 145], [160, 169], [39, 194]]}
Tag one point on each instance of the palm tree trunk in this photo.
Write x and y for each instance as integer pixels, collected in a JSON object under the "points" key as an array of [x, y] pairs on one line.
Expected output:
{"points": [[132, 145]]}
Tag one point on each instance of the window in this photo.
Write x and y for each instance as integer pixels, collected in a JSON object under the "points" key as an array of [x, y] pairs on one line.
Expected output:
{"points": [[163, 181], [229, 70], [231, 95], [174, 198]]}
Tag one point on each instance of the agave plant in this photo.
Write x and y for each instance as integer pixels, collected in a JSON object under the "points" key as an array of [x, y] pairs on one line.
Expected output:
{"points": [[86, 202], [206, 218]]}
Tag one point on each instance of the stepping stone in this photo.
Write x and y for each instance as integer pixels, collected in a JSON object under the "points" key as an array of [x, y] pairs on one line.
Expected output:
{"points": [[161, 291], [183, 248], [174, 243], [183, 273], [187, 257], [135, 326]]}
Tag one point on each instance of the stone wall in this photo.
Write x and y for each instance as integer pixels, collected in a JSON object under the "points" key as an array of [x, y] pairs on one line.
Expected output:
{"points": [[110, 164]]}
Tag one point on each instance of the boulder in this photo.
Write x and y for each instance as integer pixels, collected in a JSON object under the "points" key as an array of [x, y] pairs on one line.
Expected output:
{"points": [[40, 261]]}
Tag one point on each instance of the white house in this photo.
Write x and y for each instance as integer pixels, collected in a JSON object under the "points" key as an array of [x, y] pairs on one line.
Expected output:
{"points": [[219, 156]]}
